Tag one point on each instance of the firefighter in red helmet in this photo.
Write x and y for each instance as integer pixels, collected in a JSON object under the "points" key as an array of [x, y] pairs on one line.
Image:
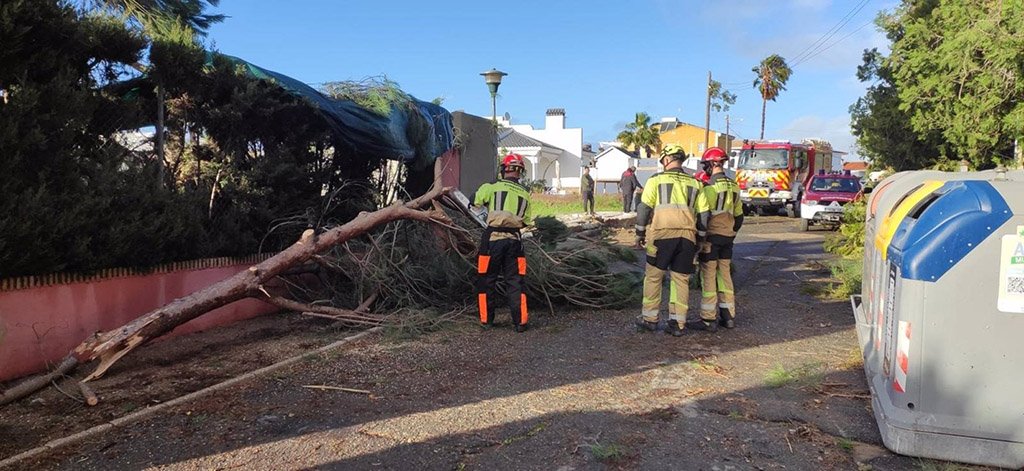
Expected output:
{"points": [[501, 249], [718, 301]]}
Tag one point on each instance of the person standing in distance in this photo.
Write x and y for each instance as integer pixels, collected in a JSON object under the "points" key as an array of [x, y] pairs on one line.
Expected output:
{"points": [[628, 185], [587, 191], [670, 213], [501, 251]]}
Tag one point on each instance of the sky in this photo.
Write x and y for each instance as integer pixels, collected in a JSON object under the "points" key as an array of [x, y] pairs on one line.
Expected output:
{"points": [[600, 60]]}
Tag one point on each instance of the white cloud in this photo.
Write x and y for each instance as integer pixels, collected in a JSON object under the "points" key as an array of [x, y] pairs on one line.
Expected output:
{"points": [[834, 129]]}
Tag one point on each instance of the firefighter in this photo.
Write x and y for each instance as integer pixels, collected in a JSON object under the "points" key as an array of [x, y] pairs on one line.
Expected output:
{"points": [[718, 302], [670, 210], [501, 249]]}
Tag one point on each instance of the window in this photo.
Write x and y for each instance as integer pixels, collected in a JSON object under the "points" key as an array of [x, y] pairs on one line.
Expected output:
{"points": [[754, 159], [838, 185]]}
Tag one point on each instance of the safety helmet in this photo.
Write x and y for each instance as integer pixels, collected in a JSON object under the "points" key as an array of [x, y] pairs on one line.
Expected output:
{"points": [[714, 154], [512, 161], [674, 152]]}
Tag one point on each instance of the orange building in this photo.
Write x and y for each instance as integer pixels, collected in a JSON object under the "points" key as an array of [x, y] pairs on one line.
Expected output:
{"points": [[690, 136]]}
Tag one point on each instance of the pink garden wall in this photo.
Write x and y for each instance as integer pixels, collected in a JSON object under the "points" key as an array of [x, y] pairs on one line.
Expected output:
{"points": [[43, 318]]}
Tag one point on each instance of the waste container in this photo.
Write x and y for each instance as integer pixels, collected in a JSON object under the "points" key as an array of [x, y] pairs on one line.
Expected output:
{"points": [[949, 283]]}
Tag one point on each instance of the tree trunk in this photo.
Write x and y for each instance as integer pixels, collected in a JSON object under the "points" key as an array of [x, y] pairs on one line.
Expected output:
{"points": [[764, 107], [110, 346]]}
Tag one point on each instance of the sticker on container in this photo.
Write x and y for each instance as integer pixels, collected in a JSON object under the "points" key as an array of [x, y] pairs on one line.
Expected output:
{"points": [[1011, 273]]}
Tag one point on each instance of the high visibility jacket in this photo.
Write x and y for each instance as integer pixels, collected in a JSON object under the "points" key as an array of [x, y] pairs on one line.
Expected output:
{"points": [[723, 196], [671, 205], [508, 206]]}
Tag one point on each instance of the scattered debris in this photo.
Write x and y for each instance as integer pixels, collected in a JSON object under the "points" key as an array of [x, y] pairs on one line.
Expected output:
{"points": [[324, 387]]}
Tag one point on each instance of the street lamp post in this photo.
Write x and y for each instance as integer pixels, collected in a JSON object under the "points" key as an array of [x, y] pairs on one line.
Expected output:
{"points": [[493, 79]]}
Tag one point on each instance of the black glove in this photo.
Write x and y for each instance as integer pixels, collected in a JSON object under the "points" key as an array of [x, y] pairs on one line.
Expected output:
{"points": [[641, 238]]}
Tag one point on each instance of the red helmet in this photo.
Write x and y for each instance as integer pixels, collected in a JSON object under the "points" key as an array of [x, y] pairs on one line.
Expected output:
{"points": [[512, 161], [714, 154]]}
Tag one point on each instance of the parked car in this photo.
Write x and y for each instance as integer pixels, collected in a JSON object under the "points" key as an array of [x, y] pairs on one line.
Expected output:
{"points": [[825, 197]]}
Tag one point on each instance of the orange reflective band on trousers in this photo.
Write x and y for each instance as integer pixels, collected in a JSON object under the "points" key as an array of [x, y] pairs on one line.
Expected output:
{"points": [[482, 300], [482, 263], [523, 316], [522, 266]]}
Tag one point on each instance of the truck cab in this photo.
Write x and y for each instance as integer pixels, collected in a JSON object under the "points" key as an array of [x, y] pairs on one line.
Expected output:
{"points": [[772, 174], [825, 198]]}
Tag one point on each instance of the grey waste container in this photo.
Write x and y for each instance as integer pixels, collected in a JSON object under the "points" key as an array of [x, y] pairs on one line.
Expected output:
{"points": [[944, 377]]}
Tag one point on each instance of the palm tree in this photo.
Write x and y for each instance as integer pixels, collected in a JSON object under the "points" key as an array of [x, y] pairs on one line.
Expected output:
{"points": [[162, 18], [772, 75], [640, 134]]}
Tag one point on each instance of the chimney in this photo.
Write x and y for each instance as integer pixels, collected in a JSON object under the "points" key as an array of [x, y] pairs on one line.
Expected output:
{"points": [[555, 118]]}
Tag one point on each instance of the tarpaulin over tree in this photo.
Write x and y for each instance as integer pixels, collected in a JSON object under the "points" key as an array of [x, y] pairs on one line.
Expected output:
{"points": [[414, 132]]}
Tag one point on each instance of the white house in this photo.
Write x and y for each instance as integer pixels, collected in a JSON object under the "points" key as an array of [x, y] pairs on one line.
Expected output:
{"points": [[541, 157], [608, 166], [567, 142]]}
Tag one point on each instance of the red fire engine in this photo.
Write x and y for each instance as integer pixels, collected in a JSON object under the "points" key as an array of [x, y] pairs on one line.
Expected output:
{"points": [[773, 174]]}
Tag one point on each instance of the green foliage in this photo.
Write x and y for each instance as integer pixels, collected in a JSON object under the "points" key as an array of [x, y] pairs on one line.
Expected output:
{"points": [[378, 94], [959, 69], [243, 158], [608, 452], [552, 205], [721, 99], [805, 375], [771, 75], [640, 134], [849, 240], [951, 89], [883, 130], [849, 272], [550, 231], [848, 243]]}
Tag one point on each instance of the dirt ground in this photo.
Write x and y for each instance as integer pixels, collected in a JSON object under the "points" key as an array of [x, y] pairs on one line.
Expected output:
{"points": [[580, 390]]}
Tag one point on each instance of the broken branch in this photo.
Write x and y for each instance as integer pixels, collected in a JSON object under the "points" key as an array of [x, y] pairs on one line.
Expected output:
{"points": [[324, 387]]}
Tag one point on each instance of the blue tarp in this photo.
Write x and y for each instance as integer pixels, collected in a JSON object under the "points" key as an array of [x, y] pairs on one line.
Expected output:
{"points": [[416, 132]]}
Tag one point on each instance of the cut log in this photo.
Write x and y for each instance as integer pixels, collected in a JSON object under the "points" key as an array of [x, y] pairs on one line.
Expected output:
{"points": [[88, 395], [110, 346]]}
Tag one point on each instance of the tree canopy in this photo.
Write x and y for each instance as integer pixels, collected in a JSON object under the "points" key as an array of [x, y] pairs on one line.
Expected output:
{"points": [[247, 165], [771, 75], [640, 134], [954, 76]]}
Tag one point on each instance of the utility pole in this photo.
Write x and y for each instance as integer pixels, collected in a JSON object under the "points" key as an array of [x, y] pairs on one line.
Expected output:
{"points": [[707, 114], [728, 138]]}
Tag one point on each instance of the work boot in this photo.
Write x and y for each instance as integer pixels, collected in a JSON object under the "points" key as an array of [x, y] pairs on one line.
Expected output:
{"points": [[521, 328], [674, 329], [725, 318], [486, 326], [646, 326], [710, 326]]}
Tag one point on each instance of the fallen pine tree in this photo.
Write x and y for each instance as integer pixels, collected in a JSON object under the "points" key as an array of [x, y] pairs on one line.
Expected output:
{"points": [[412, 261]]}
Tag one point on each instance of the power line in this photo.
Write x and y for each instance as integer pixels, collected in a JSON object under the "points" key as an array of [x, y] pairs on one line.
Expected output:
{"points": [[810, 49], [851, 33]]}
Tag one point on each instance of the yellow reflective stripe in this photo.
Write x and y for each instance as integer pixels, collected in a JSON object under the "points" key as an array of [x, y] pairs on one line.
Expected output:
{"points": [[721, 284], [893, 220]]}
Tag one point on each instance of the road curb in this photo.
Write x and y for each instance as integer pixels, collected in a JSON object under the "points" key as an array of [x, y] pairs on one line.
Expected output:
{"points": [[144, 413]]}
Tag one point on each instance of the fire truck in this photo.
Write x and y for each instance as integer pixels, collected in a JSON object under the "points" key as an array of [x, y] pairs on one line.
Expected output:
{"points": [[772, 174]]}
